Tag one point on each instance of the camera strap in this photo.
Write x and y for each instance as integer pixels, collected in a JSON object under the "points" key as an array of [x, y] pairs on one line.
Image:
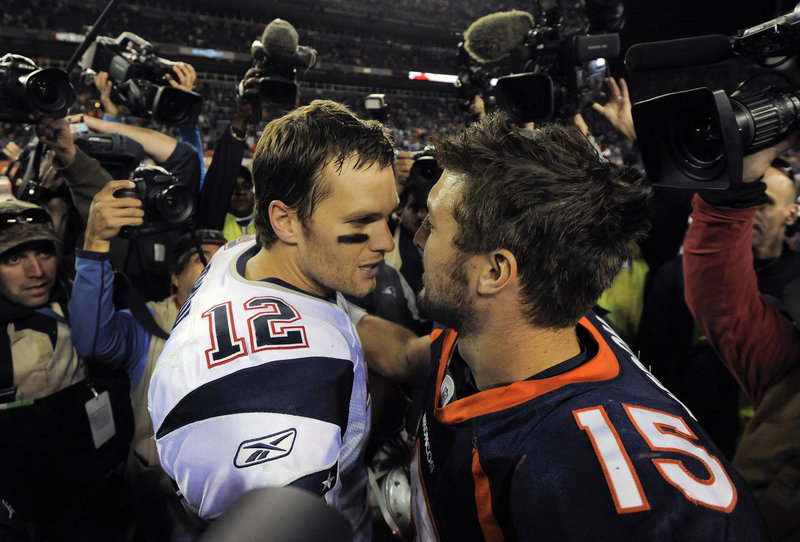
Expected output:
{"points": [[8, 391], [133, 300]]}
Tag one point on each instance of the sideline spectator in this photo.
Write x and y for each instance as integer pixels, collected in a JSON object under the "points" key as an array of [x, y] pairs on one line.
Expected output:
{"points": [[239, 219]]}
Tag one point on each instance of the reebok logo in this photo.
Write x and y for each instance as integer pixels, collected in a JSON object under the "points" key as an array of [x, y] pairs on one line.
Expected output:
{"points": [[263, 449]]}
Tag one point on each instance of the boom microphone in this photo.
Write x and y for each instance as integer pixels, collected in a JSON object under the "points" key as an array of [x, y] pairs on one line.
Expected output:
{"points": [[678, 53], [494, 36], [280, 40]]}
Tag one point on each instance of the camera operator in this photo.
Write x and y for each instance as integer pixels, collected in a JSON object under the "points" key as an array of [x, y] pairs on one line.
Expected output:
{"points": [[226, 175], [145, 260], [121, 339], [84, 175], [59, 452], [759, 344], [175, 156], [184, 79]]}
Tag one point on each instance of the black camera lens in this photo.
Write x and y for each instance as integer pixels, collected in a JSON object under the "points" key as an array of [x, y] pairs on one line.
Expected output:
{"points": [[177, 107], [277, 91], [526, 97], [424, 172], [698, 138], [49, 92], [695, 138], [174, 204]]}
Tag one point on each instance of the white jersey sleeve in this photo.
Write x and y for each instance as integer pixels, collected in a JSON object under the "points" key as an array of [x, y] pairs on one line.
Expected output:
{"points": [[259, 385]]}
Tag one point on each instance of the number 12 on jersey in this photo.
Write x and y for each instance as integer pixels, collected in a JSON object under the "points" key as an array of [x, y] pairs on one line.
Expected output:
{"points": [[665, 433], [271, 322]]}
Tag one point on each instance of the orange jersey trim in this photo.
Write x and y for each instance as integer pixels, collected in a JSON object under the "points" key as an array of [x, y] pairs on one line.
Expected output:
{"points": [[601, 367], [483, 499]]}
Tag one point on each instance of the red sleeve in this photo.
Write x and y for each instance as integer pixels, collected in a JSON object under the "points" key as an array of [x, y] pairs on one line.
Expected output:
{"points": [[758, 344]]}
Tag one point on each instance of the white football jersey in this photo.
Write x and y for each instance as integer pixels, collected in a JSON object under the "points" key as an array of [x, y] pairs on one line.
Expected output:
{"points": [[261, 385]]}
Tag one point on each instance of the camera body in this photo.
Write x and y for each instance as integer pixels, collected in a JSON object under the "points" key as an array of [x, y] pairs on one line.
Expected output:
{"points": [[276, 76], [28, 92], [556, 67], [167, 204], [277, 56], [425, 171], [140, 83], [563, 73], [377, 107], [695, 138], [118, 154], [473, 80]]}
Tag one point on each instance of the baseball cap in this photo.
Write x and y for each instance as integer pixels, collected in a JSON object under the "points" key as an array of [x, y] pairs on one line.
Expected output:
{"points": [[203, 236], [22, 222]]}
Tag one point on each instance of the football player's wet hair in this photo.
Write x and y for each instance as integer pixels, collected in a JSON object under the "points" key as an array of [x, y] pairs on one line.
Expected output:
{"points": [[569, 217], [295, 149]]}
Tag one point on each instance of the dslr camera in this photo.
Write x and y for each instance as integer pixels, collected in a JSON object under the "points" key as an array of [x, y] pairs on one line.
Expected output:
{"points": [[140, 85], [557, 57], [28, 92], [696, 138], [167, 204], [425, 171], [276, 58]]}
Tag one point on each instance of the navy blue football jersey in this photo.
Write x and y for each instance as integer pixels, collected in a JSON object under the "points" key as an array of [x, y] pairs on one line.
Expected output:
{"points": [[598, 451]]}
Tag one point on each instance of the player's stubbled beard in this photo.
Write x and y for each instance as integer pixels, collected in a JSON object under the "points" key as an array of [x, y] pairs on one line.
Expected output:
{"points": [[354, 239]]}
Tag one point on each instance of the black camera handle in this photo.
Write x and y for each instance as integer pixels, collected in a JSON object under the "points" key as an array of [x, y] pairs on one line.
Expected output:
{"points": [[94, 30], [30, 174]]}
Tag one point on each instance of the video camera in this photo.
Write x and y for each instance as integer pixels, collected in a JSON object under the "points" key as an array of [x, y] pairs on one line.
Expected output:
{"points": [[562, 65], [167, 204], [276, 58], [473, 80], [28, 92], [696, 138], [118, 154], [140, 85]]}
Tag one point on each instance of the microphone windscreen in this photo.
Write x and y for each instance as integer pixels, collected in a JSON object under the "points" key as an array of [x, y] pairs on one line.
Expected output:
{"points": [[280, 39], [493, 36], [678, 53]]}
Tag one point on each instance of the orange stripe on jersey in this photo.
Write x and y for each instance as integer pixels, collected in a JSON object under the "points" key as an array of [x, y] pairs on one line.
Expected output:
{"points": [[483, 499], [435, 333], [601, 367]]}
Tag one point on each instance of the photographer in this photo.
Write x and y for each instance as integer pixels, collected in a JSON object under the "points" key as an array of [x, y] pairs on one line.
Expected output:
{"points": [[175, 156], [60, 454], [84, 175], [759, 344], [144, 258], [184, 79], [124, 340]]}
